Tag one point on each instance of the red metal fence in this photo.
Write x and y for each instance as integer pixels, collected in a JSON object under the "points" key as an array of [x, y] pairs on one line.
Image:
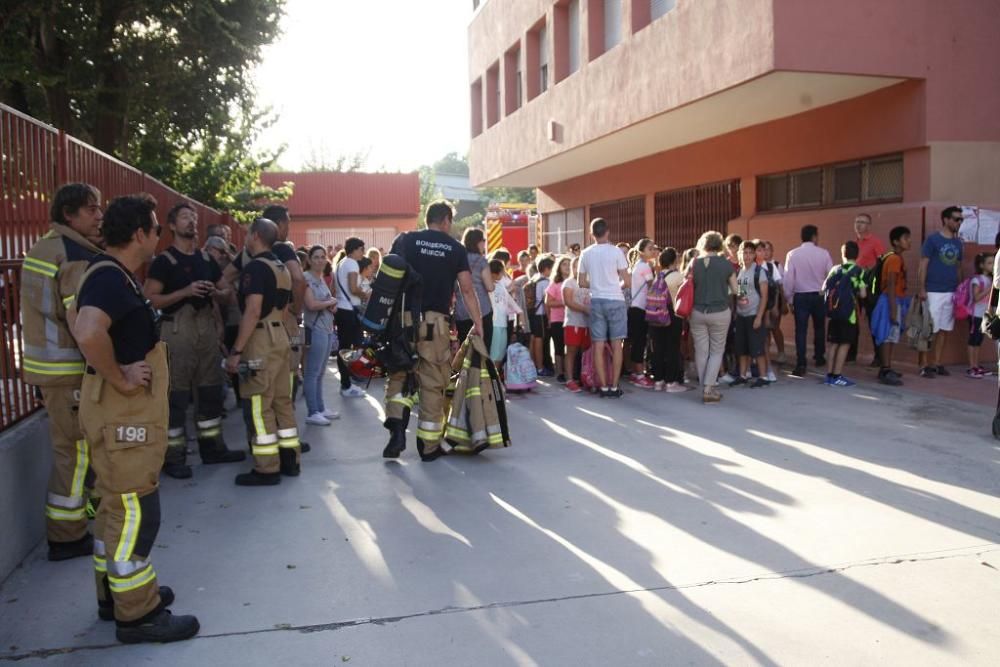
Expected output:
{"points": [[35, 159]]}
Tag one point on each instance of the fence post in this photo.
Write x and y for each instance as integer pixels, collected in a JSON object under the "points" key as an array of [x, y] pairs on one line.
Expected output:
{"points": [[62, 159]]}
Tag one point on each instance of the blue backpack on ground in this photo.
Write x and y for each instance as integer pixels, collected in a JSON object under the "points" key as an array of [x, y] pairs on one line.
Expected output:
{"points": [[839, 289]]}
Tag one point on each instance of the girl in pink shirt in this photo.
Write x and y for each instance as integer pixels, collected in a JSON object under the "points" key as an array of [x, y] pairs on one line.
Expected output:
{"points": [[556, 310]]}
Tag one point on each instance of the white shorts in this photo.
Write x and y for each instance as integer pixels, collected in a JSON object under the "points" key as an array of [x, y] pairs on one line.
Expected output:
{"points": [[942, 310]]}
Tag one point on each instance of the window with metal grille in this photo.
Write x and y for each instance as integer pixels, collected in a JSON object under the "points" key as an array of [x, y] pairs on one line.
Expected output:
{"points": [[877, 179], [683, 215], [561, 229], [626, 218]]}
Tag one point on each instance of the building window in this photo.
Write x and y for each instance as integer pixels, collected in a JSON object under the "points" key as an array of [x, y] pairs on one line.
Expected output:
{"points": [[842, 184], [493, 95], [476, 107], [512, 79], [612, 24], [658, 8], [543, 59], [573, 15]]}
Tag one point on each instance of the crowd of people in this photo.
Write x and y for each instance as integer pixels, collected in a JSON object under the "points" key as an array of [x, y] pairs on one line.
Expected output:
{"points": [[669, 320], [121, 362]]}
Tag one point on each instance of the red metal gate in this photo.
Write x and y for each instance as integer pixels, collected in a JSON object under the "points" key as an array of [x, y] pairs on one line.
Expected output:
{"points": [[626, 218], [682, 216]]}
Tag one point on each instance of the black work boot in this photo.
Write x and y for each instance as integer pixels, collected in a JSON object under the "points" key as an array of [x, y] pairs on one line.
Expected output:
{"points": [[254, 478], [106, 610], [160, 627], [214, 450], [66, 550], [289, 466], [397, 441], [432, 456], [177, 470]]}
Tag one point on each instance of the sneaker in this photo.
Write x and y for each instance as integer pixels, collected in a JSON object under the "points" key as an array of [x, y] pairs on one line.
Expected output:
{"points": [[890, 377], [771, 377], [331, 414], [613, 392], [161, 628], [353, 392], [727, 379], [644, 383], [927, 372], [711, 396], [561, 379], [545, 373], [759, 382], [574, 387], [676, 388], [799, 371], [738, 381], [659, 385], [317, 419], [841, 381], [941, 370], [828, 379]]}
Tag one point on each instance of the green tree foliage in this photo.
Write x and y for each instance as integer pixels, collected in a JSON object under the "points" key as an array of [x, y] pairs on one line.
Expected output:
{"points": [[162, 84]]}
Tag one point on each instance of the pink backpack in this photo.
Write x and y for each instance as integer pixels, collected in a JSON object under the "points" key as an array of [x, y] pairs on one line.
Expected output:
{"points": [[962, 300], [588, 371]]}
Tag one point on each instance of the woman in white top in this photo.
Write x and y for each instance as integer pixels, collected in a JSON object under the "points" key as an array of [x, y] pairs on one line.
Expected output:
{"points": [[642, 276], [347, 285]]}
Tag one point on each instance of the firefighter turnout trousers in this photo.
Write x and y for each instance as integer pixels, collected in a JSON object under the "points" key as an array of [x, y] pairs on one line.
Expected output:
{"points": [[195, 367], [128, 440], [66, 503], [266, 391], [433, 372]]}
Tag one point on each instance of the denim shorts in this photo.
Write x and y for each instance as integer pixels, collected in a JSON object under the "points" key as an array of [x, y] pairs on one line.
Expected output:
{"points": [[608, 319]]}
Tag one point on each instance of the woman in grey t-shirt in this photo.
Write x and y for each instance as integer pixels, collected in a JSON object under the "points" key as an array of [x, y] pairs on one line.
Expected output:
{"points": [[714, 285], [482, 281]]}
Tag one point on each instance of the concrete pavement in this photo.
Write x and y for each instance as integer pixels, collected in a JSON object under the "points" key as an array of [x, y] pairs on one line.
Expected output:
{"points": [[792, 525]]}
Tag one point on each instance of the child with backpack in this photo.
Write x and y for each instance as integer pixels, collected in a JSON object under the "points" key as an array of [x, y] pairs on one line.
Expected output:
{"points": [[775, 304], [750, 336], [504, 306], [979, 293], [889, 283], [664, 326], [844, 288], [534, 299]]}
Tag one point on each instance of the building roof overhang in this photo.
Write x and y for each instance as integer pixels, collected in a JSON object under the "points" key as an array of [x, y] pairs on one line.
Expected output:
{"points": [[766, 98]]}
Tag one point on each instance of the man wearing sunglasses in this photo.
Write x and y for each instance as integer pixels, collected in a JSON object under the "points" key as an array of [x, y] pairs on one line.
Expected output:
{"points": [[124, 414], [939, 275]]}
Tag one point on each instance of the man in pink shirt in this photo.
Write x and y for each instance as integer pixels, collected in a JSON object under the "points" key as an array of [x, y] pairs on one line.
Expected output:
{"points": [[806, 267], [871, 248]]}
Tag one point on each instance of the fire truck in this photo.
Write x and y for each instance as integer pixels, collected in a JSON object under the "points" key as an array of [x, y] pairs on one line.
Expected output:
{"points": [[511, 226]]}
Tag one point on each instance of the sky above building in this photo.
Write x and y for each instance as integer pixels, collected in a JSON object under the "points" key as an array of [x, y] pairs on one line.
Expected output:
{"points": [[384, 78]]}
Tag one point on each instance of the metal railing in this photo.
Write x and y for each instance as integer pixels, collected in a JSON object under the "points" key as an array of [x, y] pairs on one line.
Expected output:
{"points": [[35, 159]]}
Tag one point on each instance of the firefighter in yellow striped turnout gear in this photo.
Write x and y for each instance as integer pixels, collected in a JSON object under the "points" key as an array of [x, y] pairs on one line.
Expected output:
{"points": [[52, 362], [261, 357]]}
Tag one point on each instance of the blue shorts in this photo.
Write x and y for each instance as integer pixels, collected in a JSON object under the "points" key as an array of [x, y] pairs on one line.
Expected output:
{"points": [[608, 319]]}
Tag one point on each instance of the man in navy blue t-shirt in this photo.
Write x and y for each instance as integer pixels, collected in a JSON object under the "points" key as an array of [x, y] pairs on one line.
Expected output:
{"points": [[938, 278]]}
